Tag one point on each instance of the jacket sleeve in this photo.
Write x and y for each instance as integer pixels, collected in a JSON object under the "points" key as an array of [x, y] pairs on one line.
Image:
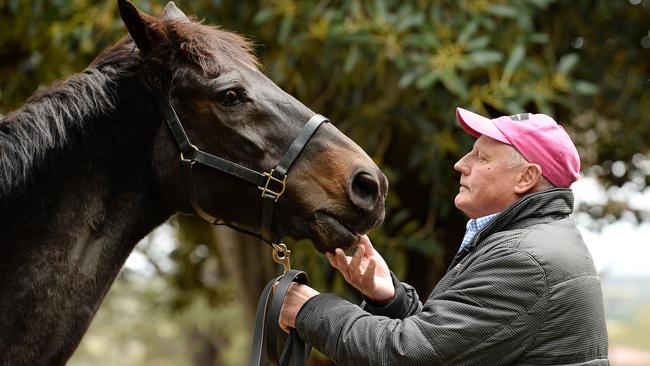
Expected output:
{"points": [[489, 315], [405, 303]]}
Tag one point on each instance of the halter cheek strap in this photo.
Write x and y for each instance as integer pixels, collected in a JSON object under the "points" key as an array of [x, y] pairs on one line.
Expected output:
{"points": [[272, 183]]}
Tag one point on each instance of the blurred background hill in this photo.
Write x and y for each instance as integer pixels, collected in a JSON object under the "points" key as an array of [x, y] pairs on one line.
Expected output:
{"points": [[389, 74]]}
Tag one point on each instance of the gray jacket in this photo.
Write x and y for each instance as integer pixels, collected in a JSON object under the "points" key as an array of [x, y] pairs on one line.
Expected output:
{"points": [[524, 292]]}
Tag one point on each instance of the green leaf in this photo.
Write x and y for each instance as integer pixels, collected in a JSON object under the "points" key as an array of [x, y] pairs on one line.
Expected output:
{"points": [[542, 4], [468, 31], [363, 38], [419, 40], [285, 29], [516, 56], [351, 59], [453, 83], [478, 42], [586, 88], [408, 78], [485, 57], [503, 11], [380, 9], [539, 38], [410, 21], [567, 62], [263, 16], [427, 80]]}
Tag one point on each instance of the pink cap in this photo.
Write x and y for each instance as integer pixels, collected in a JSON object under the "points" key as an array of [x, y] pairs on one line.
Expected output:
{"points": [[536, 136]]}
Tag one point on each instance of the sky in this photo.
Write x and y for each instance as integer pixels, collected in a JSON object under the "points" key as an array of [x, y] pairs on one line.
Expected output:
{"points": [[622, 248]]}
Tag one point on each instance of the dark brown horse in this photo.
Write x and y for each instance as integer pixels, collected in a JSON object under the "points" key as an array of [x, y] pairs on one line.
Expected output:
{"points": [[88, 167]]}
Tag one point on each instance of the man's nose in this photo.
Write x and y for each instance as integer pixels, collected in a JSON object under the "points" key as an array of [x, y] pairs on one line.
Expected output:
{"points": [[461, 166]]}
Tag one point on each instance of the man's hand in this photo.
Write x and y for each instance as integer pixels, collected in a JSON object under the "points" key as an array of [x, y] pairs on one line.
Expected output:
{"points": [[297, 296], [366, 270]]}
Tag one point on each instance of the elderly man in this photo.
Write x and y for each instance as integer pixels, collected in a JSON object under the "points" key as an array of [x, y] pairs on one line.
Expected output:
{"points": [[522, 289]]}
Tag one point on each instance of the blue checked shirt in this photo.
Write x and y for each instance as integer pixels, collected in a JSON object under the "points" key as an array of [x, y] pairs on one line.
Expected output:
{"points": [[473, 227]]}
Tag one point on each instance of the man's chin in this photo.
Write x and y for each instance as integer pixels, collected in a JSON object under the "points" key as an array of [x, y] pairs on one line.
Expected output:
{"points": [[458, 200], [459, 203]]}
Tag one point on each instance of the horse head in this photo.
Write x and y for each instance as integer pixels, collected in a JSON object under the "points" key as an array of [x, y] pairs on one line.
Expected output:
{"points": [[229, 108]]}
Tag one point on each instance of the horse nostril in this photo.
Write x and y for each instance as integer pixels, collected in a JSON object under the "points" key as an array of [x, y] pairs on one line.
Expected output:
{"points": [[364, 190]]}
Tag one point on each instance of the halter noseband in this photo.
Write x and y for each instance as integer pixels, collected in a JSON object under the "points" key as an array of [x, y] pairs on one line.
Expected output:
{"points": [[271, 183]]}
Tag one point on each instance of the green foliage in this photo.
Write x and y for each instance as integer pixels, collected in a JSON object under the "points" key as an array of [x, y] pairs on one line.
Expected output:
{"points": [[45, 40]]}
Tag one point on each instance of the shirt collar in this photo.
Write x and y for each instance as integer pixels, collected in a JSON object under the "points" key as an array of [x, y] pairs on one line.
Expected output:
{"points": [[474, 226]]}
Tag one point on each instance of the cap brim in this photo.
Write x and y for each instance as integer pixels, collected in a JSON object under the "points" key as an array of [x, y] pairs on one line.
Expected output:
{"points": [[478, 125]]}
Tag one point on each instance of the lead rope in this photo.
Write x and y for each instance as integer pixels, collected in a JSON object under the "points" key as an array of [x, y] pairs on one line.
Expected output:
{"points": [[266, 317]]}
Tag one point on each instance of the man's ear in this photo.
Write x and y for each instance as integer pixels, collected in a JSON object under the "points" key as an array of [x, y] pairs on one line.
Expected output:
{"points": [[528, 179], [147, 31]]}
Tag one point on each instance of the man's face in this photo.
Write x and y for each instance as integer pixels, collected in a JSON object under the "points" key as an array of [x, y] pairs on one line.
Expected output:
{"points": [[486, 182]]}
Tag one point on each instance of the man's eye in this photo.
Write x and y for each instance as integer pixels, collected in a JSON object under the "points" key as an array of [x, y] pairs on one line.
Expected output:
{"points": [[229, 97]]}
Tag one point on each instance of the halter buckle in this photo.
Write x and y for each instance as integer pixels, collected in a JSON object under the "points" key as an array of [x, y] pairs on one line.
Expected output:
{"points": [[191, 161], [274, 192], [281, 255]]}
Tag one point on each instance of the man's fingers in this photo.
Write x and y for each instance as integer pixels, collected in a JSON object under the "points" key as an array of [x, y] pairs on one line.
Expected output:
{"points": [[369, 275], [355, 263], [342, 262], [370, 250], [363, 239], [283, 326]]}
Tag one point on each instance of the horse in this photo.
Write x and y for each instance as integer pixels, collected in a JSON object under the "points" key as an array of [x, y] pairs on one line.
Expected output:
{"points": [[89, 167]]}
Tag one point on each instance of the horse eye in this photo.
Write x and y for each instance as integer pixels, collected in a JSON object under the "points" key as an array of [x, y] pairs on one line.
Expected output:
{"points": [[229, 97]]}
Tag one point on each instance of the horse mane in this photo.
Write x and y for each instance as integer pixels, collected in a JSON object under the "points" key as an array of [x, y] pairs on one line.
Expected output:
{"points": [[47, 118], [45, 121]]}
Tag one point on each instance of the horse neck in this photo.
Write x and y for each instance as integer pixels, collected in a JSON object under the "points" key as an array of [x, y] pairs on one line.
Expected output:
{"points": [[77, 218]]}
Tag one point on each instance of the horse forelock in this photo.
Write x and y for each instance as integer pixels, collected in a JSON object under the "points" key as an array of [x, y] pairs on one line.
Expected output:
{"points": [[211, 48]]}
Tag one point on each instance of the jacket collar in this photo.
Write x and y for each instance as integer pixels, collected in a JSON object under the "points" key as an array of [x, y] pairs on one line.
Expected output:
{"points": [[555, 202]]}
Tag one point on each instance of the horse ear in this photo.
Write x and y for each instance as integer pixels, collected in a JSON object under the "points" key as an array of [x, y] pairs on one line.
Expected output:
{"points": [[172, 12], [146, 31]]}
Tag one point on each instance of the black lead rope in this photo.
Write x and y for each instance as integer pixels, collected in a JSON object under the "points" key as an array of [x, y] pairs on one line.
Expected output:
{"points": [[272, 184], [267, 330]]}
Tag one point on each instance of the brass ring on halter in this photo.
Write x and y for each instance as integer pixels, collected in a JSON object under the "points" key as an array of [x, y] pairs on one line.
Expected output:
{"points": [[281, 255]]}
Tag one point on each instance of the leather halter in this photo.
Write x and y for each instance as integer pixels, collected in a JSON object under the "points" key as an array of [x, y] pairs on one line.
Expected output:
{"points": [[271, 183]]}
